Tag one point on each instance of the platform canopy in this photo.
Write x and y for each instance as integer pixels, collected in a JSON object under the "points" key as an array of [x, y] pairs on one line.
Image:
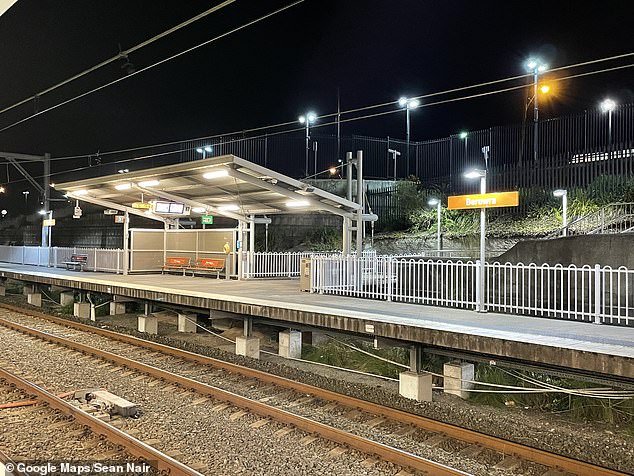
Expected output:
{"points": [[223, 186]]}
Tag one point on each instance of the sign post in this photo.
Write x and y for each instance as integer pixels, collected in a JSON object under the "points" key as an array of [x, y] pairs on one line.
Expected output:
{"points": [[482, 201]]}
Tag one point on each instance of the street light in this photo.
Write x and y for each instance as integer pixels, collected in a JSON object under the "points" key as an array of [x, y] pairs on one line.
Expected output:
{"points": [[4, 213], [395, 153], [435, 202], [608, 105], [563, 194], [536, 67], [203, 150], [482, 175], [307, 119], [26, 196], [408, 104]]}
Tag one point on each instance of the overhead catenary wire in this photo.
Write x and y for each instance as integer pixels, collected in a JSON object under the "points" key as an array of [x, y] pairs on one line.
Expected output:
{"points": [[295, 129], [121, 54], [153, 65], [369, 116]]}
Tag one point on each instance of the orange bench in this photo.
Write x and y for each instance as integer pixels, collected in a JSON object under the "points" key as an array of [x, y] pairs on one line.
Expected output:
{"points": [[176, 263], [206, 265], [77, 261]]}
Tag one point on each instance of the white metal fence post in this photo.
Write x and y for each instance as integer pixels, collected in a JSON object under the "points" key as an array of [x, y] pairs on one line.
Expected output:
{"points": [[478, 287], [598, 291], [389, 279]]}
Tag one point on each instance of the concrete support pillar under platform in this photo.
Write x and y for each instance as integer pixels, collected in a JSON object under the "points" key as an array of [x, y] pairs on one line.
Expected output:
{"points": [[187, 322], [416, 386], [290, 344], [458, 378], [117, 308], [66, 298], [93, 313], [28, 289], [148, 323], [81, 310], [3, 286], [34, 299], [248, 346]]}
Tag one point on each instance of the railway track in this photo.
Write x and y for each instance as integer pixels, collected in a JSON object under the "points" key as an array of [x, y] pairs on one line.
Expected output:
{"points": [[66, 432], [291, 402]]}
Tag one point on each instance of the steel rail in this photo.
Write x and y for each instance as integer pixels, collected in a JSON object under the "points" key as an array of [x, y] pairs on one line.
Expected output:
{"points": [[501, 445], [364, 445], [114, 435], [5, 459]]}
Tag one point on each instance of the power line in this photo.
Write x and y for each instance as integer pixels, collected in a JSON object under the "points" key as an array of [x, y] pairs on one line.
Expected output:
{"points": [[122, 54], [391, 103], [165, 60], [296, 129]]}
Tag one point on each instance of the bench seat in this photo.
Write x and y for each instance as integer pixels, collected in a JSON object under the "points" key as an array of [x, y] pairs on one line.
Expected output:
{"points": [[208, 265]]}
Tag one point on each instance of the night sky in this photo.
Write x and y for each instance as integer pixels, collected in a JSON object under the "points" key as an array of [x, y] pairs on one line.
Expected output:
{"points": [[373, 51]]}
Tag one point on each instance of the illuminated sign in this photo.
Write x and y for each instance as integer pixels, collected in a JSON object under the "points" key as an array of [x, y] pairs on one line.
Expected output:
{"points": [[141, 205], [207, 220], [48, 222], [486, 200], [170, 208]]}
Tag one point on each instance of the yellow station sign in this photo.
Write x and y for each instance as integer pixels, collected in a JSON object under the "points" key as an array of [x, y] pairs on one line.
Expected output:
{"points": [[486, 200]]}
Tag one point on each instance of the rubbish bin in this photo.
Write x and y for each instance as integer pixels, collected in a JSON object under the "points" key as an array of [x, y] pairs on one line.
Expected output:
{"points": [[304, 275]]}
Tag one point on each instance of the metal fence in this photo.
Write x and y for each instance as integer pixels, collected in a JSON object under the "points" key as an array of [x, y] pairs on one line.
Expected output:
{"points": [[592, 294], [106, 260], [283, 264]]}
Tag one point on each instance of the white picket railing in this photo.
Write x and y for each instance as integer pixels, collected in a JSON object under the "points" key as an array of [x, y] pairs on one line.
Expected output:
{"points": [[99, 259], [592, 294]]}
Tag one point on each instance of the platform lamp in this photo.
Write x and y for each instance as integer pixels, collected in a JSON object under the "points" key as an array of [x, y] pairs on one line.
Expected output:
{"points": [[608, 105], [535, 67], [482, 175], [563, 194], [408, 104], [435, 202]]}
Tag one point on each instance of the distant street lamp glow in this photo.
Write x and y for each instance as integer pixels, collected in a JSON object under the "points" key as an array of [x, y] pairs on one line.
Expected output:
{"points": [[2, 189], [204, 150], [545, 89], [608, 105], [332, 170], [464, 135], [42, 212], [475, 173]]}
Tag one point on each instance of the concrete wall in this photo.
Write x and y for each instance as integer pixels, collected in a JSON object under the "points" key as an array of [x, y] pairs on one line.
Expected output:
{"points": [[607, 250]]}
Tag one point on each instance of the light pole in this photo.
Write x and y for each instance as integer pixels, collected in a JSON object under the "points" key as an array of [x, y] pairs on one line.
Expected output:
{"points": [[563, 194], [408, 104], [435, 202], [536, 67], [26, 197], [482, 175], [307, 119], [204, 150], [395, 153], [608, 105]]}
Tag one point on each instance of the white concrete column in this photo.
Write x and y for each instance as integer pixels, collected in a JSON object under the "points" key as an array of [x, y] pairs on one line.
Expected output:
{"points": [[117, 308], [416, 386], [28, 289], [290, 344], [93, 313], [148, 323], [187, 322], [81, 310], [34, 299], [66, 298], [248, 346], [458, 377]]}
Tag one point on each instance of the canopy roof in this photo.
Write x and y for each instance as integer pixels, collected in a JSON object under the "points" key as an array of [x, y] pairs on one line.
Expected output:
{"points": [[226, 186]]}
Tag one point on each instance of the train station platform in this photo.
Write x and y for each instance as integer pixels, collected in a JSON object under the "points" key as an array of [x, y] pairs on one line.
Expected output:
{"points": [[560, 344]]}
